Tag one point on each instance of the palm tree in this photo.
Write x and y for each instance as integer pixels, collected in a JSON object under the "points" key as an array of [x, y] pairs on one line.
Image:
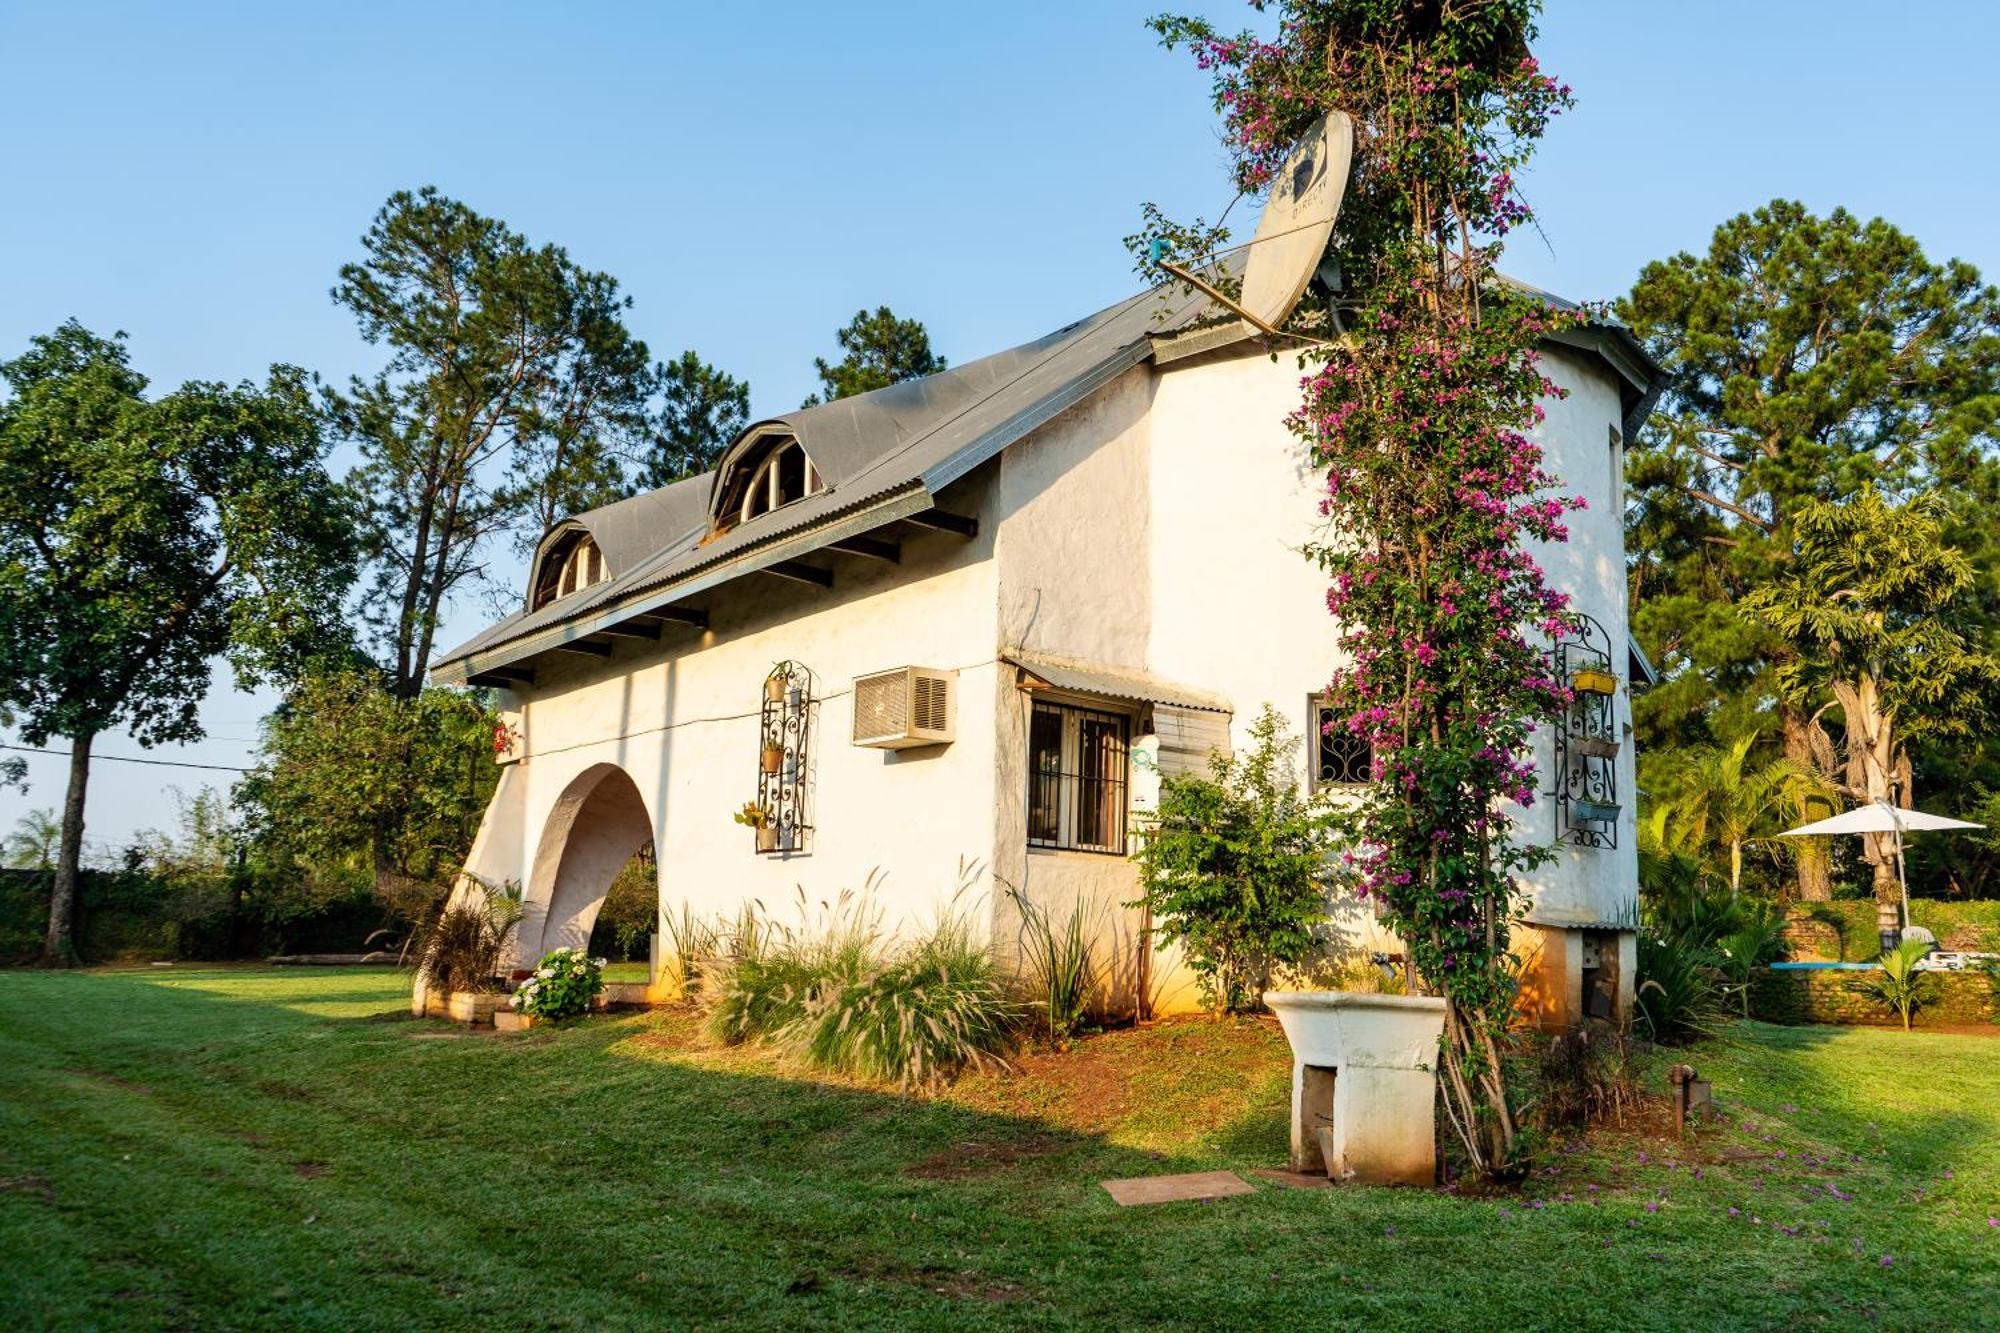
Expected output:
{"points": [[32, 845], [1719, 803]]}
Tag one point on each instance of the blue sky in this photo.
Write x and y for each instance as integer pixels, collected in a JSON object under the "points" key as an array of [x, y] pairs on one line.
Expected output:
{"points": [[195, 173]]}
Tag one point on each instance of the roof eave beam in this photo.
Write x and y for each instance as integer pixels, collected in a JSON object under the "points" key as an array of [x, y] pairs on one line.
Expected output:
{"points": [[588, 647], [943, 520], [800, 572], [501, 678], [636, 628], [872, 548]]}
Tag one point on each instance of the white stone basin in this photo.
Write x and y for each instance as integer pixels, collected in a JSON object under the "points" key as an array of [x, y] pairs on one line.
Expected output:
{"points": [[1354, 1029], [1364, 1086]]}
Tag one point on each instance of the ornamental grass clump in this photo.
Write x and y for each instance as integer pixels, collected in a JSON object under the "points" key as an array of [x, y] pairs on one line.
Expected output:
{"points": [[1422, 392], [563, 985], [460, 950], [936, 1006], [772, 974], [1059, 966], [840, 995]]}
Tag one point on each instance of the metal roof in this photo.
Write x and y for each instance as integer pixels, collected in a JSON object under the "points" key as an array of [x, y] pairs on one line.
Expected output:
{"points": [[883, 456], [1043, 671], [892, 449]]}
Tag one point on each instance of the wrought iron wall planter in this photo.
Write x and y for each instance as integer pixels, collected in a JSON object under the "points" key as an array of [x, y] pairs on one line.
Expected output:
{"points": [[783, 767], [1586, 738]]}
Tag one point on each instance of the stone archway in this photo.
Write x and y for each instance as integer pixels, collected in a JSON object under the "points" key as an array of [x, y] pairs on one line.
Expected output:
{"points": [[596, 826]]}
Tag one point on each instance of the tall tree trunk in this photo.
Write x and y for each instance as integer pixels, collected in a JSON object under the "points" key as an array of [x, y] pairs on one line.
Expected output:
{"points": [[1871, 770], [57, 948], [1812, 857]]}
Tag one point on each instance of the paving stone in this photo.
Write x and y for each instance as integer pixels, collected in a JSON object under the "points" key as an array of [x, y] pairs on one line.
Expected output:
{"points": [[1173, 1189]]}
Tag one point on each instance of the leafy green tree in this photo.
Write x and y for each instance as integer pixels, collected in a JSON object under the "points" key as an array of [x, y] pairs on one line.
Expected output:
{"points": [[141, 538], [878, 350], [1719, 802], [1877, 615], [1806, 357], [512, 391], [357, 781], [1233, 868], [701, 410], [33, 844]]}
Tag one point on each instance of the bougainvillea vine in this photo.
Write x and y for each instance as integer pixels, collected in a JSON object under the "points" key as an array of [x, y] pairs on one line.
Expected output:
{"points": [[1420, 402]]}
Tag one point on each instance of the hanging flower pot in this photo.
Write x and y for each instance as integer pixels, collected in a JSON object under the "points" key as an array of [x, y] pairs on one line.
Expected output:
{"points": [[1593, 680], [1594, 812], [774, 688], [1594, 747], [767, 838], [774, 758]]}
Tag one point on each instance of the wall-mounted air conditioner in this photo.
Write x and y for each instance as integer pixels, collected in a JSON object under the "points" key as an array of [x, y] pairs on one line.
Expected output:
{"points": [[895, 710]]}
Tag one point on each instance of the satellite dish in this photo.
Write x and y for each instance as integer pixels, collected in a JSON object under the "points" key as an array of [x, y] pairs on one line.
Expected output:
{"points": [[1298, 222]]}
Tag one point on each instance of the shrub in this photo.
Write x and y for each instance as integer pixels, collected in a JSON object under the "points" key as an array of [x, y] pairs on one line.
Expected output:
{"points": [[1757, 940], [630, 911], [1233, 868], [1965, 925], [563, 985], [1061, 967], [1900, 985], [1675, 996], [461, 948], [1585, 1077]]}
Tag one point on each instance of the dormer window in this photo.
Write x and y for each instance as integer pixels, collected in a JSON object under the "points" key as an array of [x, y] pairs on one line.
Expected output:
{"points": [[570, 565], [762, 480]]}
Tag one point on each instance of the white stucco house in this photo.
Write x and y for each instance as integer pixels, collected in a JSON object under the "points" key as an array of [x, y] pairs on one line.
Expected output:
{"points": [[1001, 600]]}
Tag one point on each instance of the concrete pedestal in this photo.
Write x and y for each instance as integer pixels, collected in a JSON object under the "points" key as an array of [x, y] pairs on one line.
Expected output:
{"points": [[1364, 1083]]}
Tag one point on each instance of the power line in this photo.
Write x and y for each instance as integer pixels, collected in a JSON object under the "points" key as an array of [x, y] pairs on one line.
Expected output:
{"points": [[126, 759]]}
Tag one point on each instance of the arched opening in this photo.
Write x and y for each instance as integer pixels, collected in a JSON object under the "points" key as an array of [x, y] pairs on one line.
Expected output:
{"points": [[596, 827]]}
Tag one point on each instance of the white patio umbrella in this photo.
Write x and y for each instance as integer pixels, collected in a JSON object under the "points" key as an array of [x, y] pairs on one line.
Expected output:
{"points": [[1881, 817]]}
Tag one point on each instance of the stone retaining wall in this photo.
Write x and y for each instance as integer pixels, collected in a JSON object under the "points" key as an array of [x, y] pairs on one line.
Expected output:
{"points": [[1836, 997]]}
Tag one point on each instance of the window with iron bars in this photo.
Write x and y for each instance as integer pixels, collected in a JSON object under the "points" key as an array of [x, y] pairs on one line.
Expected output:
{"points": [[1077, 778], [1340, 758]]}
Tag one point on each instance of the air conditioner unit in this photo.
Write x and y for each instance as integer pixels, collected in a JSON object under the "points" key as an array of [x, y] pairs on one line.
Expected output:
{"points": [[895, 710]]}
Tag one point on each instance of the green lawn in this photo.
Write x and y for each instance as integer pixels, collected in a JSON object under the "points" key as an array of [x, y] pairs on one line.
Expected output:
{"points": [[233, 1148]]}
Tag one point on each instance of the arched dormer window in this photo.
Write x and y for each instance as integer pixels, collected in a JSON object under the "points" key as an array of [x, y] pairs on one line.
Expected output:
{"points": [[570, 564], [761, 479]]}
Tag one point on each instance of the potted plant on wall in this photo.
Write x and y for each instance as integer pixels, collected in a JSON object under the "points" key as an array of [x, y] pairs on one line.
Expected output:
{"points": [[757, 817], [1593, 680], [774, 684], [774, 758]]}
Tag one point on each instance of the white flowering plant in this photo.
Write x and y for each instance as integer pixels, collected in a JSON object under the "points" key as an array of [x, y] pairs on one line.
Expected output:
{"points": [[563, 985]]}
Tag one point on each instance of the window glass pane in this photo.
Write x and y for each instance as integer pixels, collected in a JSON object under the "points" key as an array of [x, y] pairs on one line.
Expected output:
{"points": [[791, 475], [1045, 730], [1077, 778], [1101, 771]]}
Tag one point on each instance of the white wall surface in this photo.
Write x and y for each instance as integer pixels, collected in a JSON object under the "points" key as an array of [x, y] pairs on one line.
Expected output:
{"points": [[1156, 527], [682, 718]]}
